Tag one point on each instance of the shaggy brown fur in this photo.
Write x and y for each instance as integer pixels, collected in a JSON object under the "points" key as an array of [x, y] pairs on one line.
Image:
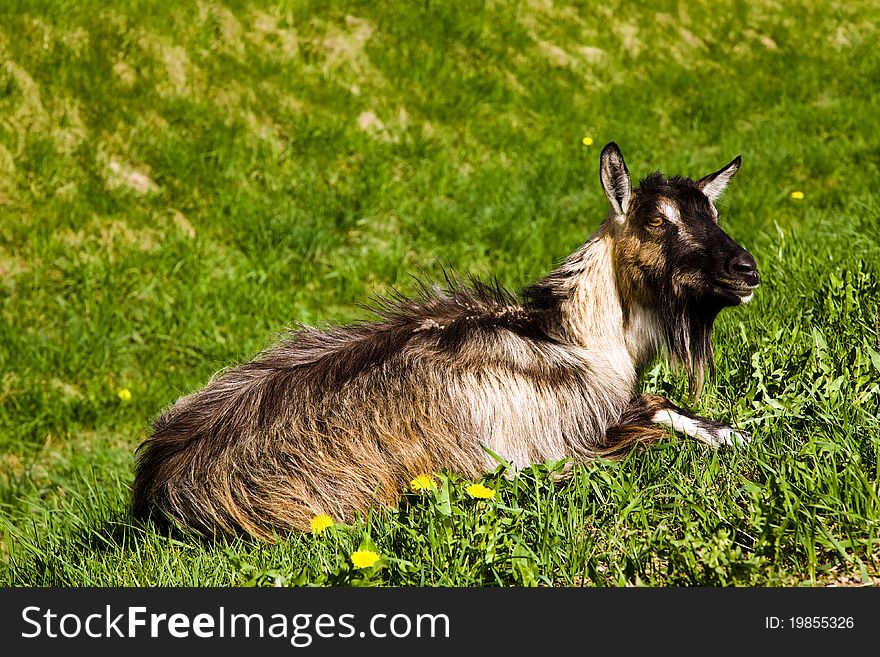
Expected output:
{"points": [[336, 421]]}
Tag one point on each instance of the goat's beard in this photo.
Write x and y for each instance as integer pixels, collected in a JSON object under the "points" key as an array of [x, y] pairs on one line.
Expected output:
{"points": [[687, 333]]}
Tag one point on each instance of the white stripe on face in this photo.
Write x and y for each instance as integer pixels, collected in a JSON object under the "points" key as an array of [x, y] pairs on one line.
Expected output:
{"points": [[669, 211]]}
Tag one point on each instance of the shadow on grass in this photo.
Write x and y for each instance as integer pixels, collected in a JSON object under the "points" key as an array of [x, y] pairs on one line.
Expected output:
{"points": [[122, 532]]}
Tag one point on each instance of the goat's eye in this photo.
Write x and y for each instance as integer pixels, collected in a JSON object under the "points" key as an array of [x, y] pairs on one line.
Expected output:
{"points": [[655, 222]]}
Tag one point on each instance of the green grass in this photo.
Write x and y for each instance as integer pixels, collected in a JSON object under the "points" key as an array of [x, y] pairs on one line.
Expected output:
{"points": [[179, 184]]}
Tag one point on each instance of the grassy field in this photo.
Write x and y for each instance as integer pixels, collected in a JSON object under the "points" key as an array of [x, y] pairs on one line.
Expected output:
{"points": [[179, 184]]}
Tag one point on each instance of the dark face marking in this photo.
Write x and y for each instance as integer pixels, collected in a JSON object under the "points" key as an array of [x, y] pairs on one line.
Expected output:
{"points": [[672, 247], [672, 257]]}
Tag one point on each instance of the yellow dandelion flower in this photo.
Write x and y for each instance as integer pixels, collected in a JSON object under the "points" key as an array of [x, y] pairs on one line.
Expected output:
{"points": [[321, 523], [587, 141], [480, 491], [124, 394], [364, 558], [422, 483], [797, 196]]}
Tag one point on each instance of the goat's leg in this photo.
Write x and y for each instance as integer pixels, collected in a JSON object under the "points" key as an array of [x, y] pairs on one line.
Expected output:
{"points": [[703, 429], [639, 424]]}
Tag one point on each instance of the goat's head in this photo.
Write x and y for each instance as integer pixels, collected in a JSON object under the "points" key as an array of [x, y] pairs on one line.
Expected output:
{"points": [[668, 246]]}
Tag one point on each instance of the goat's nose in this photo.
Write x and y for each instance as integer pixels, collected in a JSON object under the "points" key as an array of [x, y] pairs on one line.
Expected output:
{"points": [[743, 266]]}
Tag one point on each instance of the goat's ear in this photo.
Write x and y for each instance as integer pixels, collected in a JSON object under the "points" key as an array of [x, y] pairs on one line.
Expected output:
{"points": [[714, 184], [615, 180]]}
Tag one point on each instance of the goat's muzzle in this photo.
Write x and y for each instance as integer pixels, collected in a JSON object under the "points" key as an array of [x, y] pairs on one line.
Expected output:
{"points": [[741, 277]]}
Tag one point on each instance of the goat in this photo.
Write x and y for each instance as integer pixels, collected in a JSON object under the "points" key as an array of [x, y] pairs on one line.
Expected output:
{"points": [[332, 422]]}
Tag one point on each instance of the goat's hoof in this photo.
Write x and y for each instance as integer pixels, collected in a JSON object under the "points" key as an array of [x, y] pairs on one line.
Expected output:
{"points": [[732, 437], [564, 472]]}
